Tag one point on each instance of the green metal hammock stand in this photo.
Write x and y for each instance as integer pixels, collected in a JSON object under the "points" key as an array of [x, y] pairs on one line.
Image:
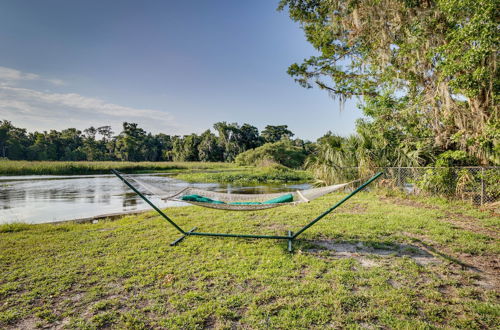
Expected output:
{"points": [[290, 236]]}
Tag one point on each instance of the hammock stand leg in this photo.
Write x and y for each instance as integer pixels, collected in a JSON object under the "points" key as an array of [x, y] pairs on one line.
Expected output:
{"points": [[289, 237], [115, 172], [180, 239]]}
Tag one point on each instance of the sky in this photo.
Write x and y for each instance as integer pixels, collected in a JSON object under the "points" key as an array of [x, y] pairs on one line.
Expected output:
{"points": [[175, 67]]}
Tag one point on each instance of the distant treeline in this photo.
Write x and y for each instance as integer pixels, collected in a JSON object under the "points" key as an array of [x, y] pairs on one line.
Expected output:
{"points": [[135, 144]]}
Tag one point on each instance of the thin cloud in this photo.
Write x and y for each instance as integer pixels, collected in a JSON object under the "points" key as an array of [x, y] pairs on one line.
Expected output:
{"points": [[64, 109], [12, 74], [9, 75]]}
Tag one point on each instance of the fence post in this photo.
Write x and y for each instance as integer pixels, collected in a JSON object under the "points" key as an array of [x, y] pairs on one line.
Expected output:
{"points": [[482, 186], [399, 177]]}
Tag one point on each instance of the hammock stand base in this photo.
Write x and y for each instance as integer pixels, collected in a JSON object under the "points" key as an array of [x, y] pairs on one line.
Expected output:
{"points": [[192, 232], [290, 236]]}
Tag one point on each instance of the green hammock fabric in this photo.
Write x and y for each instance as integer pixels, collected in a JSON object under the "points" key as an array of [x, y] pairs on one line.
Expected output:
{"points": [[197, 198]]}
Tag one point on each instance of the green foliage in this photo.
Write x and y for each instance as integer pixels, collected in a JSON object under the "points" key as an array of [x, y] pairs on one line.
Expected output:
{"points": [[123, 274], [282, 152], [272, 134], [234, 139], [14, 227], [339, 158], [186, 149], [10, 167], [274, 173], [455, 158], [133, 143], [442, 179], [427, 71], [128, 145], [208, 148]]}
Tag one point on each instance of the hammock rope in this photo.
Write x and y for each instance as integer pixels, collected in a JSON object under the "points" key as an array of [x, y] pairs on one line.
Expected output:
{"points": [[299, 196]]}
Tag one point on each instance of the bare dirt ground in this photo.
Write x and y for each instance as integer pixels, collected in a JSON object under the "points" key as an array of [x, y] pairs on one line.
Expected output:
{"points": [[486, 265]]}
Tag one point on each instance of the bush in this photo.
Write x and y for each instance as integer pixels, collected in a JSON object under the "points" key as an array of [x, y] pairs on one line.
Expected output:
{"points": [[445, 179], [273, 173], [281, 152]]}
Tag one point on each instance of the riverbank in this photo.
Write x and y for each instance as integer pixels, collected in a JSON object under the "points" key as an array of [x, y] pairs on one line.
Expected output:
{"points": [[14, 167], [249, 175], [382, 261], [187, 171]]}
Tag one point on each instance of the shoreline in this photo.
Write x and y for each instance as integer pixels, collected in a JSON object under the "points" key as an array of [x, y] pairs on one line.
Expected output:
{"points": [[97, 218]]}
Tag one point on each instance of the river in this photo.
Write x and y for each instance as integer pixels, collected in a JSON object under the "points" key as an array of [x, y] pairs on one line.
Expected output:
{"points": [[43, 198]]}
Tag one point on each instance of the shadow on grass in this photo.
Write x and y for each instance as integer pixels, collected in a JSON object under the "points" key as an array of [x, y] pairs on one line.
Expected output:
{"points": [[421, 252], [361, 250], [446, 256]]}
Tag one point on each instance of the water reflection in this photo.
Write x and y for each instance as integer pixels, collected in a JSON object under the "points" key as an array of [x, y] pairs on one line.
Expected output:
{"points": [[37, 199]]}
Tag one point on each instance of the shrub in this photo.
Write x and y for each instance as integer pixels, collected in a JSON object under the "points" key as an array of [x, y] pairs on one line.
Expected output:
{"points": [[281, 152], [445, 179]]}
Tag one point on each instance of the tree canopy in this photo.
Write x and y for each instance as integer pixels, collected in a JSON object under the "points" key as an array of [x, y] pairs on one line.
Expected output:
{"points": [[132, 143], [426, 70]]}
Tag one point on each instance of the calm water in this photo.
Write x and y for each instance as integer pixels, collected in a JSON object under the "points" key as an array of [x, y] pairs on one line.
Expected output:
{"points": [[37, 199]]}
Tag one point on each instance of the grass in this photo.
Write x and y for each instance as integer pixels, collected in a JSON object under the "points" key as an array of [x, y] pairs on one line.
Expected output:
{"points": [[249, 175], [11, 167], [188, 171], [123, 274]]}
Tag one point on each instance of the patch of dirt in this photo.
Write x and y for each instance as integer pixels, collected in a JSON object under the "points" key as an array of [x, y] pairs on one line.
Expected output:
{"points": [[77, 297], [27, 323], [395, 284], [37, 323], [362, 251], [469, 223], [408, 202], [486, 266], [209, 322], [494, 208], [274, 227], [459, 220], [354, 209], [368, 263]]}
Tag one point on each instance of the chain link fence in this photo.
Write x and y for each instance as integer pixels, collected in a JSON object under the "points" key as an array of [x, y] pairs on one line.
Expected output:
{"points": [[477, 185]]}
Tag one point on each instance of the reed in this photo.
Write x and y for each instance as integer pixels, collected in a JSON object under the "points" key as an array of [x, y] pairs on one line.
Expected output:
{"points": [[9, 167]]}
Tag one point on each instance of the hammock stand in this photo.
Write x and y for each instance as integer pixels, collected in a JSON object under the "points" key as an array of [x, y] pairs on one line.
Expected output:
{"points": [[290, 236]]}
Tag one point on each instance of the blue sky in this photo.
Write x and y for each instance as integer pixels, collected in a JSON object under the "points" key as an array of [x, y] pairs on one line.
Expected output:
{"points": [[172, 66]]}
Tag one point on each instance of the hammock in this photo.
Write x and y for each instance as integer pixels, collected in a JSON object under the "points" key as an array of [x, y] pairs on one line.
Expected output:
{"points": [[239, 202], [290, 236]]}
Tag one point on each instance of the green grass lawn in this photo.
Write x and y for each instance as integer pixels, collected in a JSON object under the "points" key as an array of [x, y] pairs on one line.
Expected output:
{"points": [[378, 262]]}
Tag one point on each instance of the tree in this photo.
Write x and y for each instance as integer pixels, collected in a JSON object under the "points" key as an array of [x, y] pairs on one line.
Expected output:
{"points": [[164, 142], [248, 137], [132, 144], [186, 149], [71, 144], [437, 58], [129, 143], [229, 139], [4, 135], [13, 141], [93, 149], [209, 149], [275, 133], [105, 132]]}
